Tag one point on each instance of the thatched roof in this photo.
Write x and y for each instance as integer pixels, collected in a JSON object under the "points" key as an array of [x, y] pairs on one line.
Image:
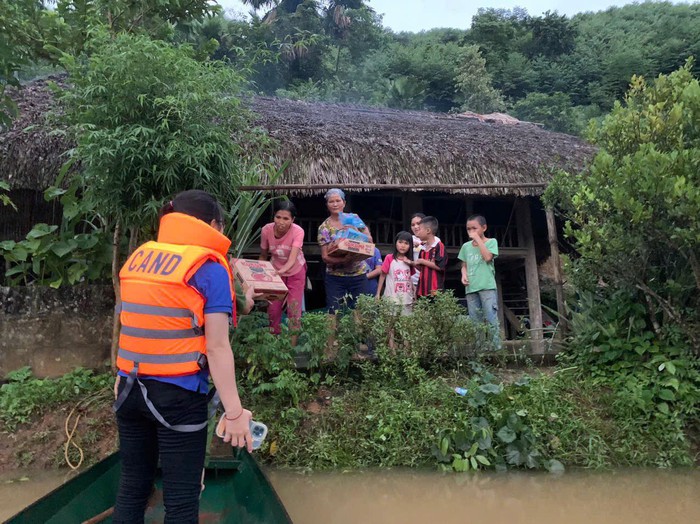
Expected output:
{"points": [[32, 150], [342, 144], [332, 144]]}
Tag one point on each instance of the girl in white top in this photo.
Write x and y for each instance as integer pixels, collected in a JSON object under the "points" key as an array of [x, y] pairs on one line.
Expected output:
{"points": [[397, 270]]}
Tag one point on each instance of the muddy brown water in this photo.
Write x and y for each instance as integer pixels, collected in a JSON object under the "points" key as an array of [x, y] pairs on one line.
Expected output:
{"points": [[407, 497], [20, 488]]}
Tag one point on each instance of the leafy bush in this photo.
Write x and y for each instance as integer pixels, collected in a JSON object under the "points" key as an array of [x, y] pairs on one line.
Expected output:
{"points": [[634, 215], [267, 362], [437, 330], [25, 396], [605, 408], [262, 354], [634, 219], [49, 256], [497, 435], [654, 383]]}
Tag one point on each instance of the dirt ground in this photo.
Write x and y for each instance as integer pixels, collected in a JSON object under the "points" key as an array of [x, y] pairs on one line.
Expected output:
{"points": [[41, 444]]}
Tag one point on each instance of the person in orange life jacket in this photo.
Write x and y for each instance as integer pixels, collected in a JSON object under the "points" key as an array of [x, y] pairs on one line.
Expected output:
{"points": [[177, 304]]}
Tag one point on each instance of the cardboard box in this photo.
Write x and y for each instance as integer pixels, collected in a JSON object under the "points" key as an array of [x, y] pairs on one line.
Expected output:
{"points": [[262, 276], [355, 249]]}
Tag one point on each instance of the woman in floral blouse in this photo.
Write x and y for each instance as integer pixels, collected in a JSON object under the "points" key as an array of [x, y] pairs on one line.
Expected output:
{"points": [[345, 279]]}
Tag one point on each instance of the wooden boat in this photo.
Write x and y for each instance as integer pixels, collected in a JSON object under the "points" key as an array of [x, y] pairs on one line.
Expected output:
{"points": [[237, 490]]}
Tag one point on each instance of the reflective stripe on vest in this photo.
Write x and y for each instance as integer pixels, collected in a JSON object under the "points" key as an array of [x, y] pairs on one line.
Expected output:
{"points": [[162, 334], [179, 358], [163, 311]]}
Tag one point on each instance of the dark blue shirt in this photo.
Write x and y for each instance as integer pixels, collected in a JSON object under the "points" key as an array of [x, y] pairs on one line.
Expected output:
{"points": [[372, 263]]}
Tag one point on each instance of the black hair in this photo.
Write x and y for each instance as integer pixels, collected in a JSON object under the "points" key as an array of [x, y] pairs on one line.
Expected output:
{"points": [[419, 215], [430, 222], [479, 218], [286, 205], [408, 237], [196, 203]]}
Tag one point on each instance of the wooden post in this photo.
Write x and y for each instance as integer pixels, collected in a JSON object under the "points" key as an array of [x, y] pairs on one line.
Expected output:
{"points": [[526, 240], [116, 285], [501, 306], [410, 203], [558, 279], [469, 207]]}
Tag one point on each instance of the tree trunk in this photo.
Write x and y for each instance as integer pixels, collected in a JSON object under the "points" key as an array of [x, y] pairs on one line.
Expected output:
{"points": [[133, 239], [116, 325], [556, 259], [695, 265], [652, 314]]}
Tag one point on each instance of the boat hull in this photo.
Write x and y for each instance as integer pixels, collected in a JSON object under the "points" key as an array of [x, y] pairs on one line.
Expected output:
{"points": [[237, 490]]}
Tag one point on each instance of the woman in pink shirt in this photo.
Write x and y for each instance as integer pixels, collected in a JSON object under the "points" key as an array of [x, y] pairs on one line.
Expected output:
{"points": [[282, 241]]}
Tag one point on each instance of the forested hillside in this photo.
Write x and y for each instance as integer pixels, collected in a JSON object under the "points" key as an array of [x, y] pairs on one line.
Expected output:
{"points": [[551, 69]]}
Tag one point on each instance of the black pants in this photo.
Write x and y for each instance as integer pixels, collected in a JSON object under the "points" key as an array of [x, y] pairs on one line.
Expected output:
{"points": [[142, 439], [343, 291]]}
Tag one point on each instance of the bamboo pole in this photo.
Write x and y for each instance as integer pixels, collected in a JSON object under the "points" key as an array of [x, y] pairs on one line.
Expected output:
{"points": [[403, 187], [558, 277], [527, 240], [116, 324]]}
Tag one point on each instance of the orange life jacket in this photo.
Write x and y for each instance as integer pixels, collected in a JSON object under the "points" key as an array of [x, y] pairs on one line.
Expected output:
{"points": [[162, 316]]}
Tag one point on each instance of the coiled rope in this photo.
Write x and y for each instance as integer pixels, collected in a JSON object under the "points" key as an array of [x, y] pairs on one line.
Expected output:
{"points": [[78, 410]]}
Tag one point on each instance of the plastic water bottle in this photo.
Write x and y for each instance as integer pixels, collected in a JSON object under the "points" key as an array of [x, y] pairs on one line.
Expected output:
{"points": [[258, 431], [461, 391]]}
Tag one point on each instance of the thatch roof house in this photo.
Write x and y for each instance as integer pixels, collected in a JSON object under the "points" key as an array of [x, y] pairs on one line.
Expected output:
{"points": [[392, 163], [31, 151], [332, 144]]}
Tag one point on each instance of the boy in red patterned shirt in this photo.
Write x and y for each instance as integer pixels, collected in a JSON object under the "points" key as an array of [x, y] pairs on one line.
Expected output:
{"points": [[432, 260]]}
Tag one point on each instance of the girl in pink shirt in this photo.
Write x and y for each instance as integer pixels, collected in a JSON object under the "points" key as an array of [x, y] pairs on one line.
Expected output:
{"points": [[282, 241], [397, 271]]}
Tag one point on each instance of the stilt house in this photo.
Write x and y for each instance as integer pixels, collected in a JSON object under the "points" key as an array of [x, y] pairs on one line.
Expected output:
{"points": [[391, 164], [394, 163]]}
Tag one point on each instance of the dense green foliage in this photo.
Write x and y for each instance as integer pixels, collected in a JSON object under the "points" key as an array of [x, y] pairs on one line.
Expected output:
{"points": [[150, 119], [24, 396], [76, 251], [400, 409], [633, 218], [48, 257], [552, 69], [634, 215], [40, 30], [142, 111]]}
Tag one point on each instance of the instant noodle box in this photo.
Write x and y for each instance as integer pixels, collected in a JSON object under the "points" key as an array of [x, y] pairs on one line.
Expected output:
{"points": [[355, 249], [261, 276]]}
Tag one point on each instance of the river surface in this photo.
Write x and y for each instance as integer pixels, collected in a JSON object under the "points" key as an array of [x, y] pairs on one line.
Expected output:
{"points": [[408, 497], [20, 488], [420, 497]]}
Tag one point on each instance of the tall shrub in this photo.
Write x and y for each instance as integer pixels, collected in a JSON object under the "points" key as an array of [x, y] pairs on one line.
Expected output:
{"points": [[150, 121], [635, 214]]}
